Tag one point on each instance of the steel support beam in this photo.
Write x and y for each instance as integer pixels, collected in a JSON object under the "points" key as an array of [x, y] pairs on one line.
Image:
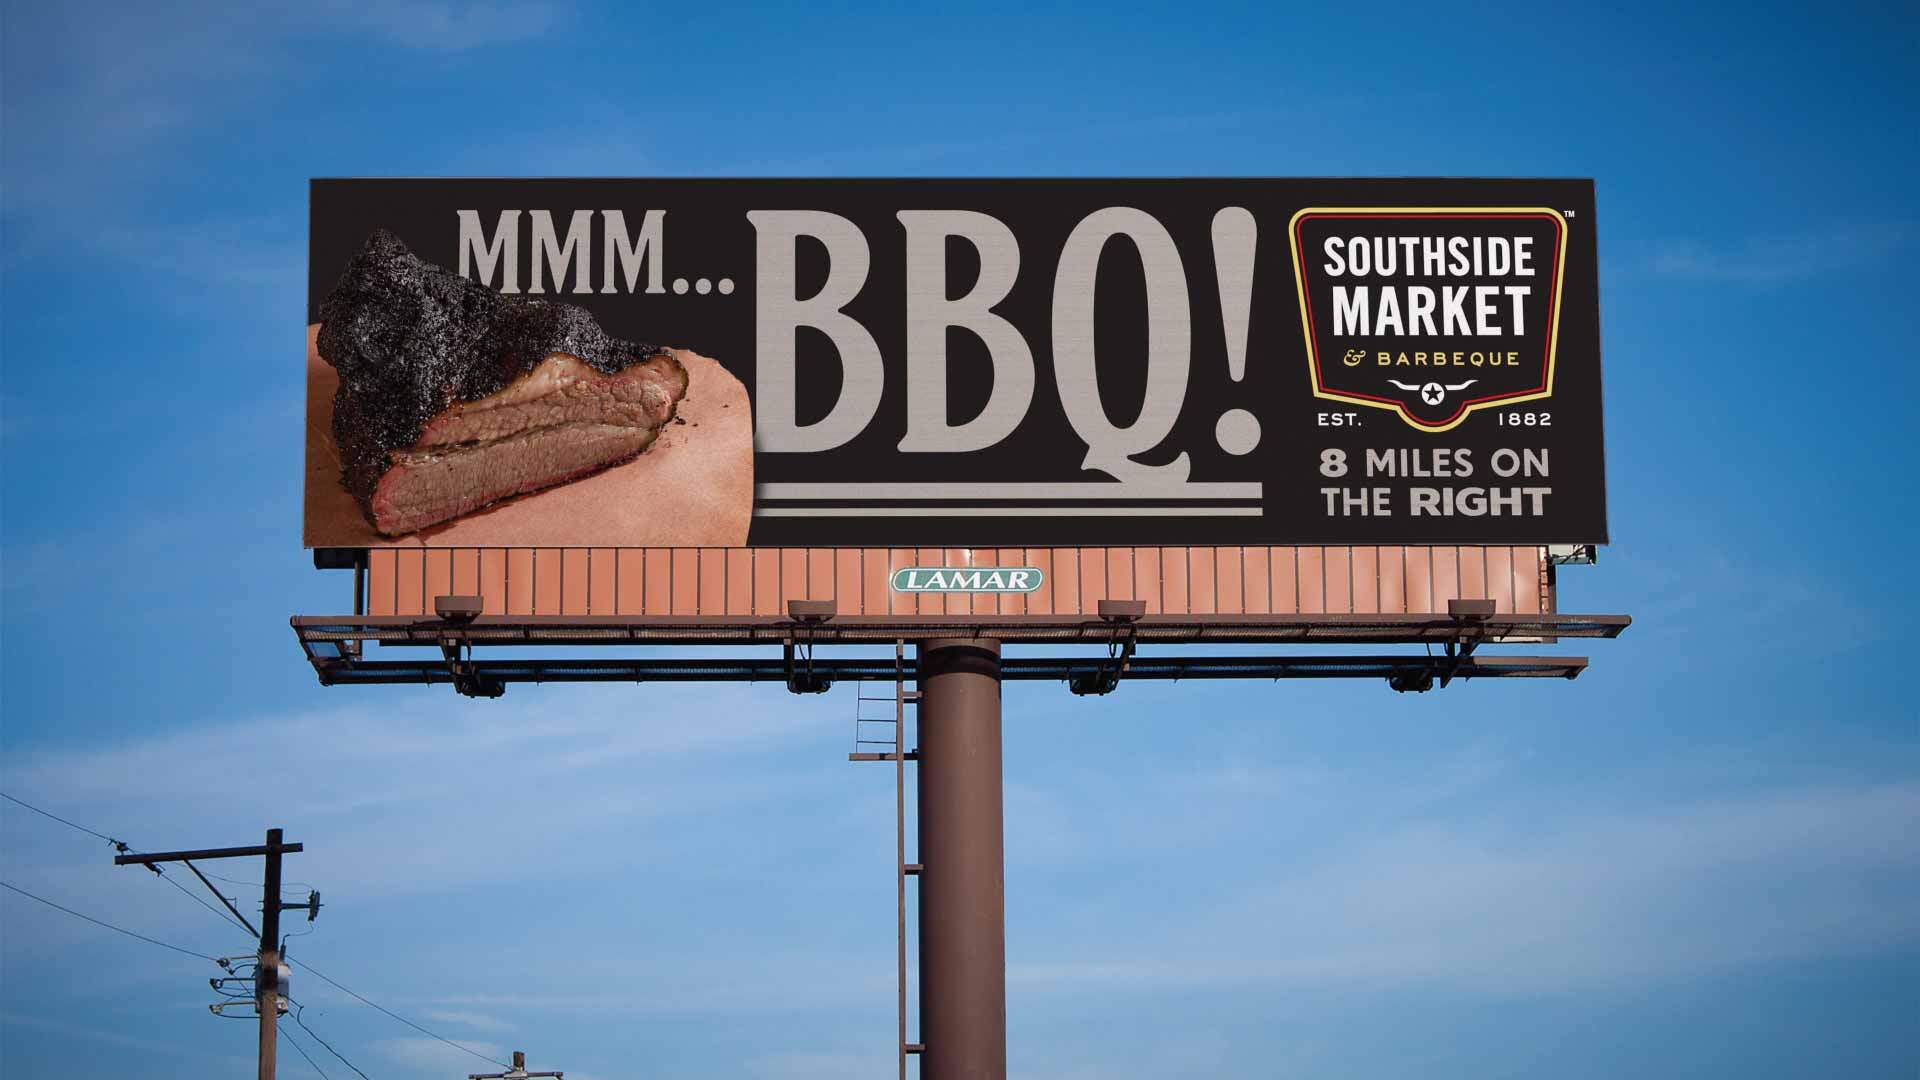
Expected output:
{"points": [[963, 906]]}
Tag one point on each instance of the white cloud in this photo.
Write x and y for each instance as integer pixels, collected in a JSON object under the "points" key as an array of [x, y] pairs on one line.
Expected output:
{"points": [[436, 25], [106, 103], [395, 794], [1782, 258], [1507, 906], [782, 982], [472, 1020], [1693, 605], [426, 789], [816, 1065], [83, 1034], [1185, 806], [263, 256], [431, 1055], [1174, 1053], [1404, 874]]}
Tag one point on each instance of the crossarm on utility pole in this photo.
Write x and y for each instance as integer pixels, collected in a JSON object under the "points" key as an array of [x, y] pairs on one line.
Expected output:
{"points": [[518, 1071], [204, 853]]}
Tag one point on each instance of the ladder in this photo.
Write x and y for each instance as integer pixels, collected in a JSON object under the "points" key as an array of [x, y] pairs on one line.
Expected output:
{"points": [[883, 738]]}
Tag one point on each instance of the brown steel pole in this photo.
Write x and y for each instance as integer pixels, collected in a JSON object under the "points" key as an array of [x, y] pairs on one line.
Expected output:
{"points": [[963, 908], [267, 975]]}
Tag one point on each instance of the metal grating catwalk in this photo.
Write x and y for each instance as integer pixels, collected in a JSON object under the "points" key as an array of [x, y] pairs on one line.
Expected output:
{"points": [[338, 647], [838, 669]]}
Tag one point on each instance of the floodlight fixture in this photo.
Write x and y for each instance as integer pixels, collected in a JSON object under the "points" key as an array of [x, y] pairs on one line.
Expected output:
{"points": [[459, 609], [811, 611], [1418, 681]]}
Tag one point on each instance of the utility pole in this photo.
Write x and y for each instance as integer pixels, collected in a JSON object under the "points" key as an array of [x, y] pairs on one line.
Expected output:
{"points": [[518, 1072], [267, 977], [267, 970]]}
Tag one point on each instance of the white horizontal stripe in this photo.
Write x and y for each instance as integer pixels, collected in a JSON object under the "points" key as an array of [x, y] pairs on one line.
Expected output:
{"points": [[1150, 489], [1007, 511]]}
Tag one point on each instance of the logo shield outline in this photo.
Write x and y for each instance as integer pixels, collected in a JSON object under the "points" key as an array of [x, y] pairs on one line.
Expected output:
{"points": [[1467, 406]]}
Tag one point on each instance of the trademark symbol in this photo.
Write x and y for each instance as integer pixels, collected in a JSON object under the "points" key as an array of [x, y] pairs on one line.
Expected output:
{"points": [[1570, 213]]}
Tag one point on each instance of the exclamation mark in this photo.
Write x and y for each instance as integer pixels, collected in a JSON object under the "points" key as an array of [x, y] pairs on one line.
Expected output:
{"points": [[1234, 237]]}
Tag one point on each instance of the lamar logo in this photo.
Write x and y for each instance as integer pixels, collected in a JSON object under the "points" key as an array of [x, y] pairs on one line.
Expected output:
{"points": [[986, 579], [1432, 312]]}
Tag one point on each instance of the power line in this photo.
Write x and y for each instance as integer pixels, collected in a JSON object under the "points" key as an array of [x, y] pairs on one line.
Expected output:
{"points": [[58, 818], [288, 1035], [299, 1018], [124, 847], [285, 886], [467, 1049], [228, 918], [268, 970], [110, 926], [271, 906]]}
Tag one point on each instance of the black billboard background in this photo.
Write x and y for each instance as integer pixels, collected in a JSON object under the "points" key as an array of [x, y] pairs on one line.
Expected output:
{"points": [[707, 235]]}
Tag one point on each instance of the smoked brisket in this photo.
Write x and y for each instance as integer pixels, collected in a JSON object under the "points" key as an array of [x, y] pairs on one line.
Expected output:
{"points": [[453, 396]]}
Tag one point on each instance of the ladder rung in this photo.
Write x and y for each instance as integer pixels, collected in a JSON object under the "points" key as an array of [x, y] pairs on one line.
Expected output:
{"points": [[914, 1048], [911, 755], [911, 869]]}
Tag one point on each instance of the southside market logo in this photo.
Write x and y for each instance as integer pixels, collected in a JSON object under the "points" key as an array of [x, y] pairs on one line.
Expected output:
{"points": [[985, 579], [1431, 312]]}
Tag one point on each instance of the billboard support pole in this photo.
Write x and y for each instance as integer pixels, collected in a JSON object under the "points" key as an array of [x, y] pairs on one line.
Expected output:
{"points": [[963, 923]]}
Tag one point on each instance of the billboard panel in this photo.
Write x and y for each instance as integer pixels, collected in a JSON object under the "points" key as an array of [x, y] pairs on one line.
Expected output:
{"points": [[637, 363]]}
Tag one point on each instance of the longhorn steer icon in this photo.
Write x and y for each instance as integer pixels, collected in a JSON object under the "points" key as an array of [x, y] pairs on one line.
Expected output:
{"points": [[1433, 393]]}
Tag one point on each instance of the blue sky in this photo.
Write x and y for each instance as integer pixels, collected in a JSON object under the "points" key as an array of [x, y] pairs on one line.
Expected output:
{"points": [[1698, 860]]}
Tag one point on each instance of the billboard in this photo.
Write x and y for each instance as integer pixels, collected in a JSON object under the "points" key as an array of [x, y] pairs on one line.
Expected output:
{"points": [[632, 363]]}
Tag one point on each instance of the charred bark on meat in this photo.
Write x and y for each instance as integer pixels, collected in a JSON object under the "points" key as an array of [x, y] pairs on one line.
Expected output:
{"points": [[415, 344]]}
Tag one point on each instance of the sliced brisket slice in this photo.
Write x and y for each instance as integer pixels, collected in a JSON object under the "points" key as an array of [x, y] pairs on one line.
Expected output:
{"points": [[453, 396]]}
